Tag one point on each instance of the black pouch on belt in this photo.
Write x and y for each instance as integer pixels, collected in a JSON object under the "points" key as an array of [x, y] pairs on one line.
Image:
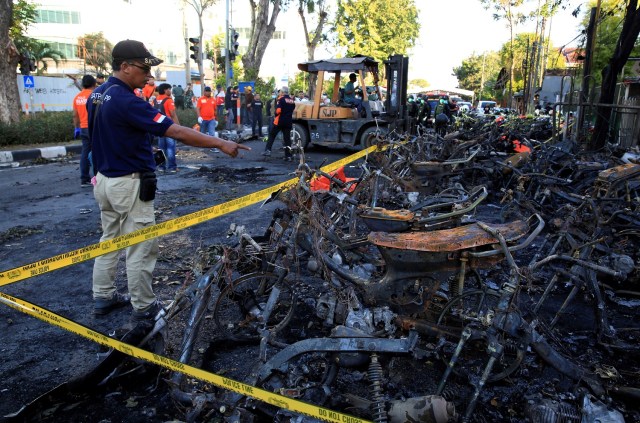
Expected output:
{"points": [[148, 184]]}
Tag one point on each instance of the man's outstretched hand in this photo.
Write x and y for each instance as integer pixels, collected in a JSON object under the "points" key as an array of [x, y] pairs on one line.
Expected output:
{"points": [[231, 148]]}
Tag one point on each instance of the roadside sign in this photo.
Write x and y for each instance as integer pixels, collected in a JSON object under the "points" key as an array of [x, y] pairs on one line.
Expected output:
{"points": [[243, 85], [28, 81]]}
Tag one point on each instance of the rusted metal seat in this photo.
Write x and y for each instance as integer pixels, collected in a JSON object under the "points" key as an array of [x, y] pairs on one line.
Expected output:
{"points": [[380, 219], [448, 240]]}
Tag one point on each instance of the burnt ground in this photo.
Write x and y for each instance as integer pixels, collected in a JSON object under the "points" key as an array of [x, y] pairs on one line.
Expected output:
{"points": [[45, 213]]}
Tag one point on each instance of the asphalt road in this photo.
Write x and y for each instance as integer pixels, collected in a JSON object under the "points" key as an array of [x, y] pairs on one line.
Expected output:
{"points": [[44, 212]]}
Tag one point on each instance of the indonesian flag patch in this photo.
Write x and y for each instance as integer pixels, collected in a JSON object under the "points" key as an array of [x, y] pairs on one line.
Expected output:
{"points": [[159, 118]]}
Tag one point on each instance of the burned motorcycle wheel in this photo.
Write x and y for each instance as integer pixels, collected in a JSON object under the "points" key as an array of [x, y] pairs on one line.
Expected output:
{"points": [[476, 308], [307, 377], [239, 310]]}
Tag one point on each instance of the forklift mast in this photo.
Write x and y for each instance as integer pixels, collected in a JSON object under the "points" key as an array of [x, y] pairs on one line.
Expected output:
{"points": [[396, 71]]}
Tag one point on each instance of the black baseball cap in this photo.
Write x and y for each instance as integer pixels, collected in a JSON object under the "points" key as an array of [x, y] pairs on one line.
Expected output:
{"points": [[131, 49], [207, 88]]}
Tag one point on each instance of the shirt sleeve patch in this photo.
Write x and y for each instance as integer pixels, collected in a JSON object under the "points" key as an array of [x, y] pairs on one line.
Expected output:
{"points": [[159, 118]]}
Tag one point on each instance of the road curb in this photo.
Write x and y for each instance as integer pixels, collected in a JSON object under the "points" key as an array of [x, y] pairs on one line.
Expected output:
{"points": [[8, 157]]}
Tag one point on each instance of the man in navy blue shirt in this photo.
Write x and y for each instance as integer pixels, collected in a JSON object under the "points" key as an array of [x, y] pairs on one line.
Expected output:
{"points": [[120, 126]]}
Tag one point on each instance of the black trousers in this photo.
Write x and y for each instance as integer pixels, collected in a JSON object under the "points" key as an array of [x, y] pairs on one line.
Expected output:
{"points": [[256, 125], [286, 138]]}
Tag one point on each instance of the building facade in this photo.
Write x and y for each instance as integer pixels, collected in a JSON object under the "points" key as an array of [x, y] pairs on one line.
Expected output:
{"points": [[164, 26]]}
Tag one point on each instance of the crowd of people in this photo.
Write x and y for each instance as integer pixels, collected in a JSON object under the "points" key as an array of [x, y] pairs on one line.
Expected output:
{"points": [[215, 110]]}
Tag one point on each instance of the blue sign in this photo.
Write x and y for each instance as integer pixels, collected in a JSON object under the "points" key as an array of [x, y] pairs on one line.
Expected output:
{"points": [[243, 85], [28, 81]]}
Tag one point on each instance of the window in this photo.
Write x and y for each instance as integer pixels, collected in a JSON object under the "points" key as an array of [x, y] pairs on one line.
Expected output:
{"points": [[278, 35], [70, 51], [57, 16]]}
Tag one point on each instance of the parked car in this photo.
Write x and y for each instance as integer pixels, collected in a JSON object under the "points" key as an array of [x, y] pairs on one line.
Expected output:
{"points": [[483, 104]]}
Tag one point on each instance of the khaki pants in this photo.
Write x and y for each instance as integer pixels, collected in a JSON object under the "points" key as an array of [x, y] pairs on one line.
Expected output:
{"points": [[122, 212]]}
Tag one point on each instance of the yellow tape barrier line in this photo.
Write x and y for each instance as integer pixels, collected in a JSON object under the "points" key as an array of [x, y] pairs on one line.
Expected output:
{"points": [[133, 351], [95, 250], [141, 235]]}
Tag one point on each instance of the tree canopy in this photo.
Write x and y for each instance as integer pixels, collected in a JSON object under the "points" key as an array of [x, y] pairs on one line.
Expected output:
{"points": [[376, 28], [609, 27], [95, 49], [478, 73]]}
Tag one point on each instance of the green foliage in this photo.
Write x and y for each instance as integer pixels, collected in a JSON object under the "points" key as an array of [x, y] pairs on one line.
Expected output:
{"points": [[213, 49], [470, 73], [38, 128], [95, 49], [300, 82], [376, 28], [609, 27], [187, 117], [422, 83], [265, 88], [478, 73], [24, 14], [42, 52], [523, 49]]}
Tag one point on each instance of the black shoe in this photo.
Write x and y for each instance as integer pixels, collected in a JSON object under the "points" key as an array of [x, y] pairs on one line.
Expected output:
{"points": [[148, 314], [102, 307], [86, 184]]}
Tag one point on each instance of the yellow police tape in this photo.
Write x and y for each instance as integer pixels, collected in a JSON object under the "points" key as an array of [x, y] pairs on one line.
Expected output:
{"points": [[167, 227], [279, 401]]}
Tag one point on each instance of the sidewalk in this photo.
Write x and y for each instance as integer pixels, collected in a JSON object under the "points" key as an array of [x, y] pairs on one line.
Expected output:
{"points": [[9, 157]]}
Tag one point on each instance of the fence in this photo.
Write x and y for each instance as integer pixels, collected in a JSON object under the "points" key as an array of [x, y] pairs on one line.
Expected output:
{"points": [[624, 124], [45, 93]]}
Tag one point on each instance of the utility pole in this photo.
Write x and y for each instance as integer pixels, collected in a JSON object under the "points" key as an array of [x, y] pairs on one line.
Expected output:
{"points": [[227, 62], [482, 77], [525, 72], [586, 74], [187, 62]]}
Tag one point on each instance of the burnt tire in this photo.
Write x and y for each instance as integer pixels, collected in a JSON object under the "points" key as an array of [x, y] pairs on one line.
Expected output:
{"points": [[370, 136], [300, 135]]}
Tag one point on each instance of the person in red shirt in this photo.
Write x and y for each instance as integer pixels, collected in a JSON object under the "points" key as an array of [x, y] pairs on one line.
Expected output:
{"points": [[220, 96], [165, 105], [206, 109], [81, 123], [149, 89]]}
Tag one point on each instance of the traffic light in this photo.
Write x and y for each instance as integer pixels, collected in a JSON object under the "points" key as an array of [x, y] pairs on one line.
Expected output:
{"points": [[27, 64], [233, 43], [195, 48]]}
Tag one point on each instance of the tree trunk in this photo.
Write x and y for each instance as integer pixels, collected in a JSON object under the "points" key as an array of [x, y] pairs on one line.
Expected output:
{"points": [[9, 96], [312, 43], [624, 46], [263, 26]]}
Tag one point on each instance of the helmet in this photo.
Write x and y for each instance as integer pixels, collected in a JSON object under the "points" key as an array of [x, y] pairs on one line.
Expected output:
{"points": [[443, 101]]}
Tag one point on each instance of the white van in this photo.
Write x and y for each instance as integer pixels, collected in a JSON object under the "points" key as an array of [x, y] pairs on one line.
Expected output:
{"points": [[485, 103]]}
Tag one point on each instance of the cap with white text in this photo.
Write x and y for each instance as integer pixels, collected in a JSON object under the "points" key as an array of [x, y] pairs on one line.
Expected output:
{"points": [[131, 49]]}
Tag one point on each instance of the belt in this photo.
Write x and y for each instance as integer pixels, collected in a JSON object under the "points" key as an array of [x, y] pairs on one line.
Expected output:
{"points": [[135, 175]]}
